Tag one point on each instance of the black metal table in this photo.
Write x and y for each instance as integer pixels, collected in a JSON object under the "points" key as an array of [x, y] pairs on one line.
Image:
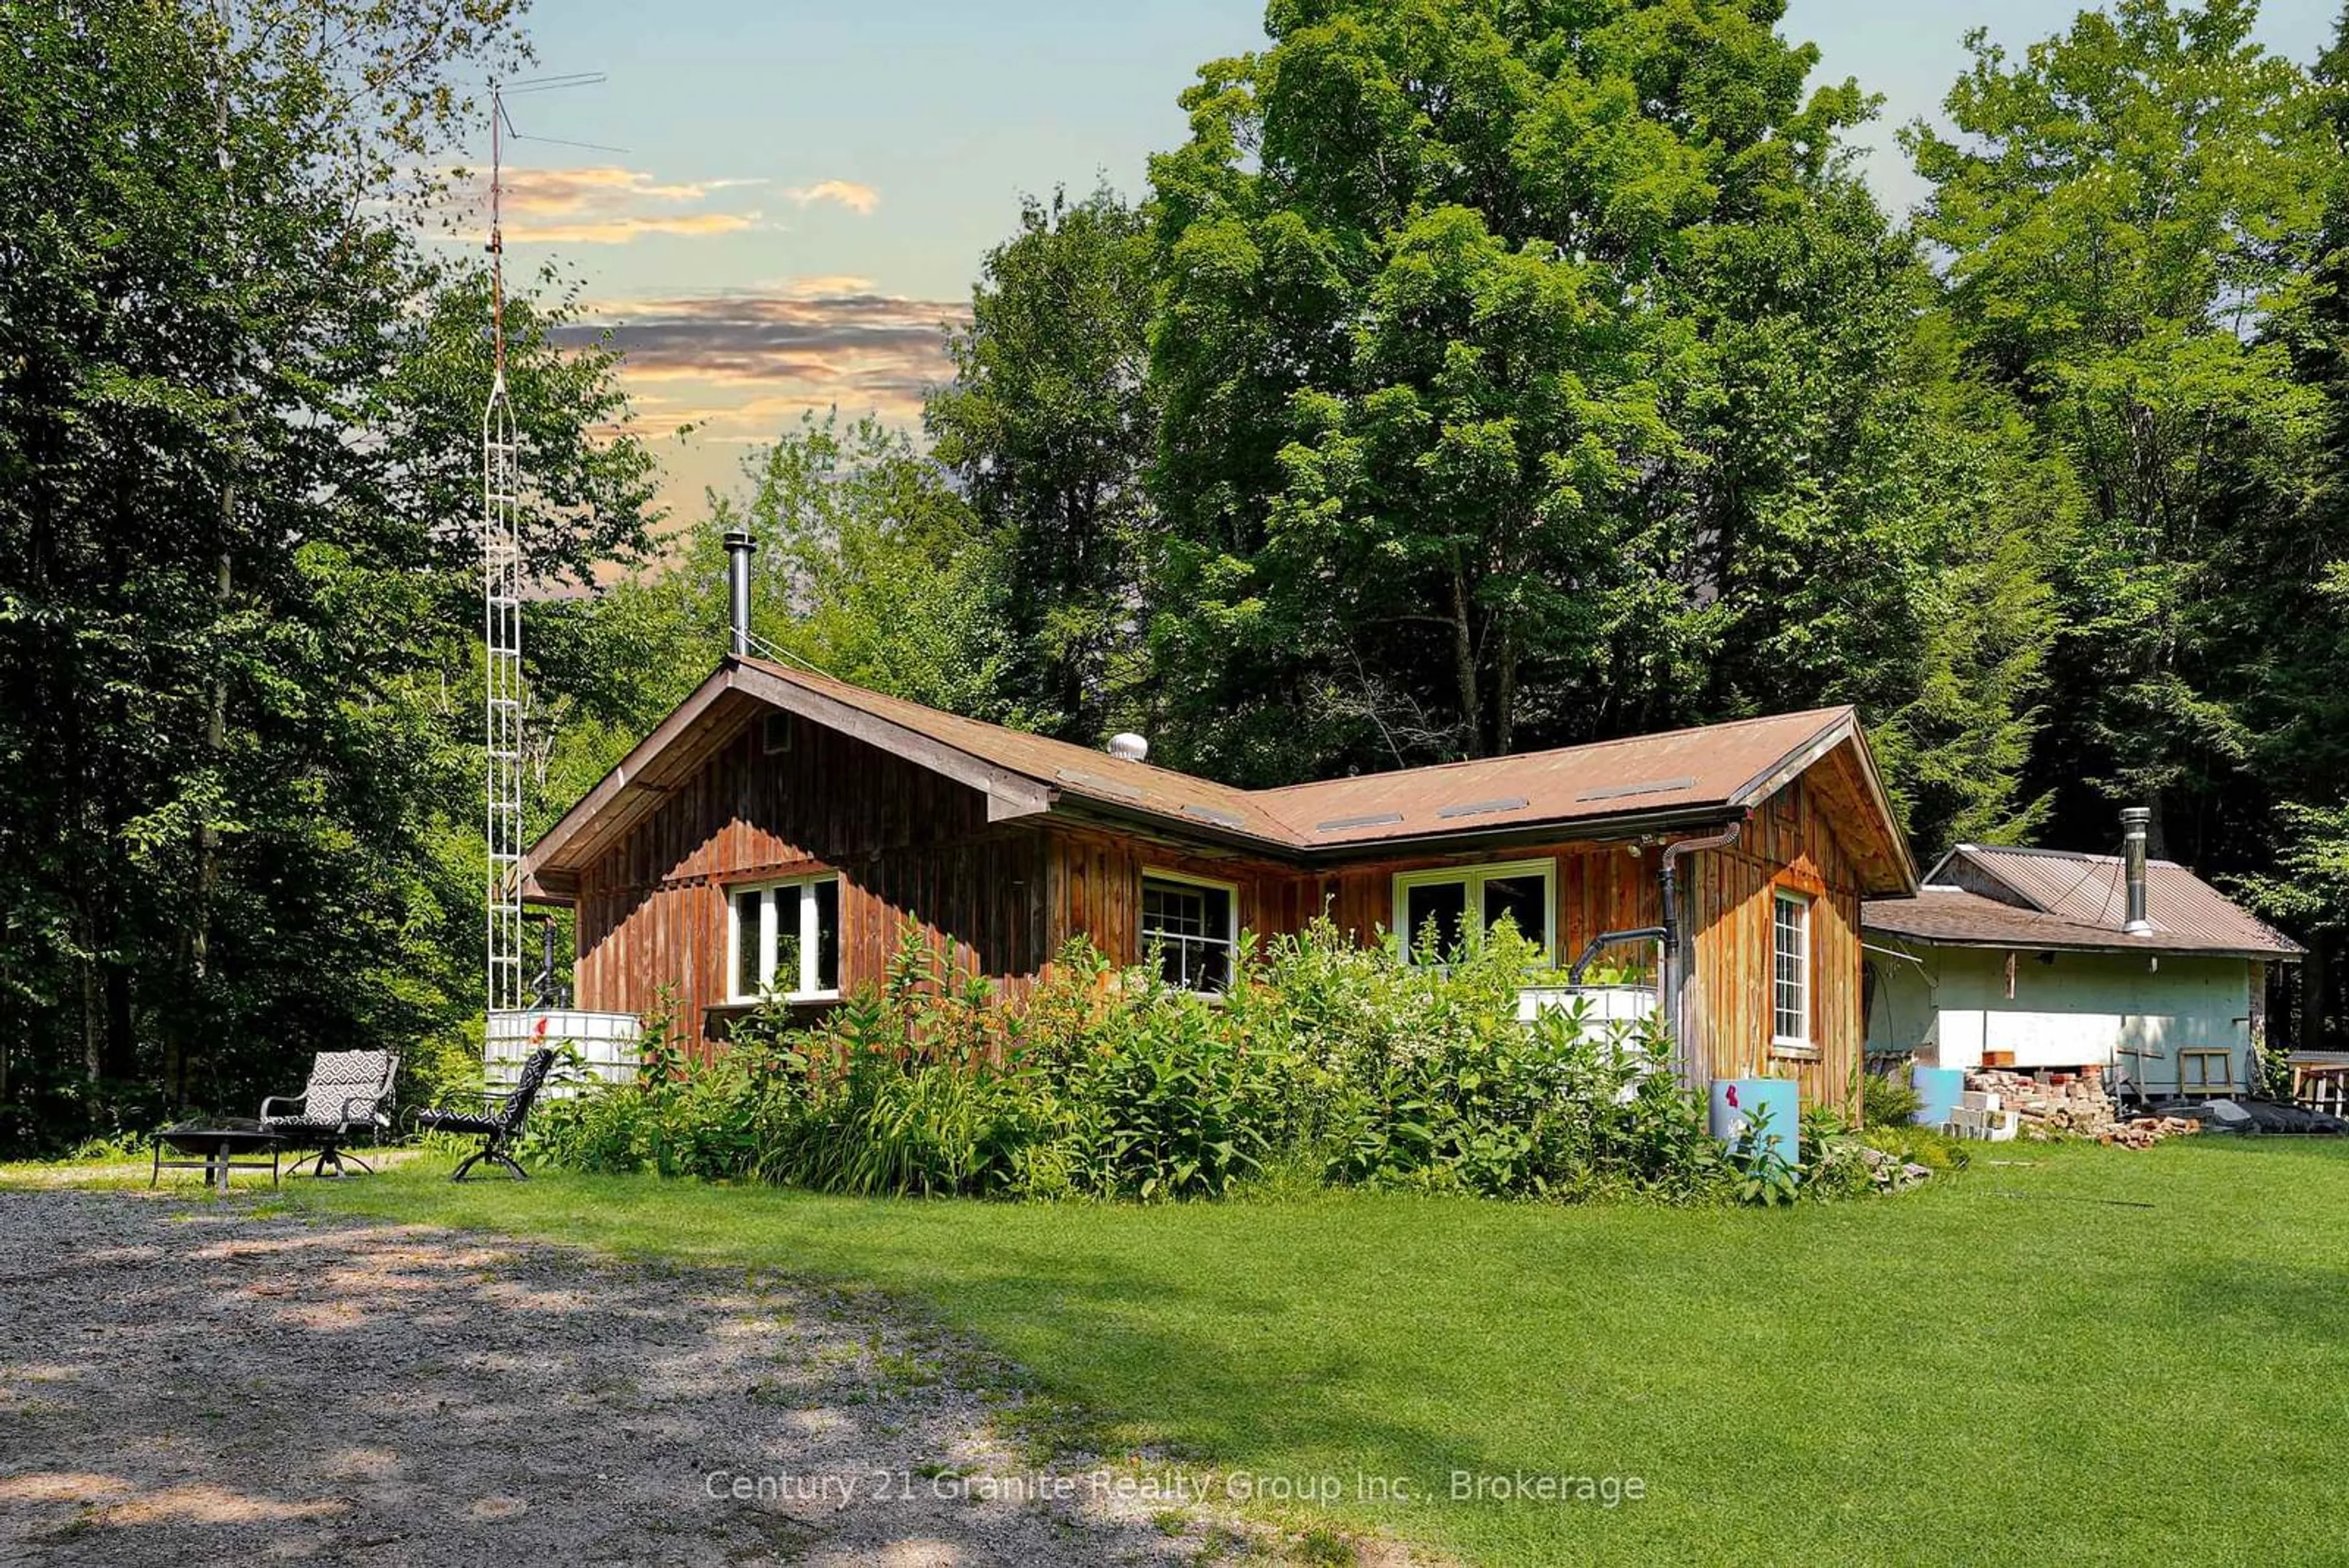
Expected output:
{"points": [[216, 1144]]}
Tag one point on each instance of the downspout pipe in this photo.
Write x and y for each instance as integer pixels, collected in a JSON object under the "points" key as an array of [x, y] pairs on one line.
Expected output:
{"points": [[1606, 940], [1672, 981]]}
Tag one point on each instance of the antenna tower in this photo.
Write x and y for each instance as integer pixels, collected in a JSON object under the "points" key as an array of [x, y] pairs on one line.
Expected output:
{"points": [[502, 574], [501, 615]]}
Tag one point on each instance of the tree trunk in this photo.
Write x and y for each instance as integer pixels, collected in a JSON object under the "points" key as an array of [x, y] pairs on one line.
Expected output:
{"points": [[93, 1026], [1464, 663], [1505, 692], [2315, 977], [121, 1061], [180, 1039]]}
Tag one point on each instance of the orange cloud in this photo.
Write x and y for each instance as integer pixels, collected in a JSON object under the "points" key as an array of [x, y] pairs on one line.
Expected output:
{"points": [[606, 205], [858, 198]]}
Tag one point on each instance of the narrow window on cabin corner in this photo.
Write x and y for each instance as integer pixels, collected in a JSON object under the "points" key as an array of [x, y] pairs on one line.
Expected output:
{"points": [[1790, 956], [1191, 925], [1432, 907], [785, 937]]}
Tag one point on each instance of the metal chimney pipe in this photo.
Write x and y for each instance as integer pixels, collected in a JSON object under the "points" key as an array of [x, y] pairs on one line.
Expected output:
{"points": [[738, 589], [2135, 820]]}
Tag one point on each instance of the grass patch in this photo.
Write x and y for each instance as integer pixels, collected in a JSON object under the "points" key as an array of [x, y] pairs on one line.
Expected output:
{"points": [[2019, 1365]]}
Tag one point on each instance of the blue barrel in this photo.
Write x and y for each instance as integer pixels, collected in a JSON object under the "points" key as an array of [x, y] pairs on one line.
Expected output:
{"points": [[1734, 1101], [1938, 1087]]}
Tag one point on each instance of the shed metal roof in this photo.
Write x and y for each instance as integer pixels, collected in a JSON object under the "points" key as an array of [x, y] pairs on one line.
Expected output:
{"points": [[2054, 898]]}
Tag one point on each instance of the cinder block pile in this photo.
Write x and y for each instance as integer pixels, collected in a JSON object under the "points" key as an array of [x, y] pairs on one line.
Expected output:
{"points": [[1982, 1114]]}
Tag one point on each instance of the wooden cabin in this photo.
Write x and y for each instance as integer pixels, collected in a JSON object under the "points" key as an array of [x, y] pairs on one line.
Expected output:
{"points": [[777, 829]]}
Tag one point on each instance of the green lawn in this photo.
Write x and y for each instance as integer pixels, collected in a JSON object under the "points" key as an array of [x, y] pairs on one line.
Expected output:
{"points": [[2095, 1356]]}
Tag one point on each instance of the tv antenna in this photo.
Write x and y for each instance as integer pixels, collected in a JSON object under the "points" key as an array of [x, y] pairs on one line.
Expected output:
{"points": [[502, 582]]}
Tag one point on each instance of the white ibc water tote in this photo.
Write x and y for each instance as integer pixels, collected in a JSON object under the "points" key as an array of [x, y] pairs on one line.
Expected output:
{"points": [[1601, 1005], [608, 1043]]}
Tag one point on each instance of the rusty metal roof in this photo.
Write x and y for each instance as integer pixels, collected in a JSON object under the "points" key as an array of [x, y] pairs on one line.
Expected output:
{"points": [[1716, 766], [2056, 898], [1711, 773]]}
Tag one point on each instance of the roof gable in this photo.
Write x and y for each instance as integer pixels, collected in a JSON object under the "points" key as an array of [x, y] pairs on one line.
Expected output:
{"points": [[1044, 762]]}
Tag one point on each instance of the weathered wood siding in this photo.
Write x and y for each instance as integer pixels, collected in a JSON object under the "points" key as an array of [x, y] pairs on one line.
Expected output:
{"points": [[1599, 888], [1095, 887], [905, 842], [1790, 842]]}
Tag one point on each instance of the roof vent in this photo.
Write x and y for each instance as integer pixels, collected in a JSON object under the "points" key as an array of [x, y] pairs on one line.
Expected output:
{"points": [[1125, 743], [1339, 824], [1480, 808], [1645, 786]]}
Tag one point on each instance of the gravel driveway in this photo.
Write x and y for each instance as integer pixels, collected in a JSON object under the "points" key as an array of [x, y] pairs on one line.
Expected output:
{"points": [[188, 1382]]}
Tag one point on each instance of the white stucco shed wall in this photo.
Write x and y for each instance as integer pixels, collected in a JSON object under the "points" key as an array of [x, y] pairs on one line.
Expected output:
{"points": [[2078, 1009]]}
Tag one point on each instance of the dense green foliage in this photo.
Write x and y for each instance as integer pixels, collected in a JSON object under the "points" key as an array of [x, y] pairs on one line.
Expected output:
{"points": [[1889, 1098], [1048, 426], [238, 437], [1326, 1062]]}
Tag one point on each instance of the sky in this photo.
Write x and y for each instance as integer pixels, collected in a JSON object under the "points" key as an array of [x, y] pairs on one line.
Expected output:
{"points": [[806, 192]]}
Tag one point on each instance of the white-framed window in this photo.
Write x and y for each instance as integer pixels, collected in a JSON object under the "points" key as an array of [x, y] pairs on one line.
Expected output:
{"points": [[784, 937], [1525, 890], [1790, 969], [1193, 925]]}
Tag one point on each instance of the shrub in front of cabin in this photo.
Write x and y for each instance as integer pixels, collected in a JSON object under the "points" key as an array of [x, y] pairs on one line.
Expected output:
{"points": [[908, 1089], [1324, 1056]]}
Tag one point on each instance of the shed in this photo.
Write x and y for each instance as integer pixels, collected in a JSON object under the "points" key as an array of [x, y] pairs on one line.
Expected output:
{"points": [[2051, 960]]}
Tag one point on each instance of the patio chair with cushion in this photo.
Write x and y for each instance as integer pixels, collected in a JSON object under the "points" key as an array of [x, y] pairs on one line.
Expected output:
{"points": [[349, 1093], [499, 1124]]}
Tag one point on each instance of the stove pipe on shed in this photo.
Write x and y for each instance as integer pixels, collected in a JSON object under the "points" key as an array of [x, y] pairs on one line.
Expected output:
{"points": [[2135, 819], [738, 589]]}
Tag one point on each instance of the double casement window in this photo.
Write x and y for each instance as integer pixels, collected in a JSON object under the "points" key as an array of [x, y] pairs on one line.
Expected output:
{"points": [[784, 937], [1191, 926], [1790, 976], [1432, 909]]}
